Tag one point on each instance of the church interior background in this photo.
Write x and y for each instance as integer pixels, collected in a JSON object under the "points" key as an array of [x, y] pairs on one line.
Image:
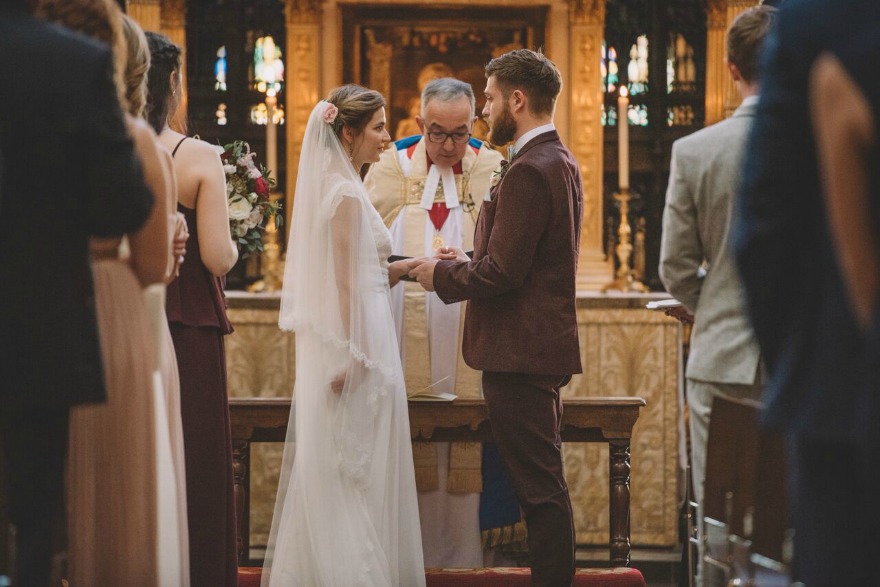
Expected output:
{"points": [[667, 53]]}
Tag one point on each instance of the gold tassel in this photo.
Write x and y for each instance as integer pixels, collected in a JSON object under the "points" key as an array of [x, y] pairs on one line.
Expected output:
{"points": [[465, 468], [425, 461], [513, 534]]}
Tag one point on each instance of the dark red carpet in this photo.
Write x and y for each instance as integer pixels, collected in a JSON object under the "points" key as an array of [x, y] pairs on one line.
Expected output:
{"points": [[495, 577]]}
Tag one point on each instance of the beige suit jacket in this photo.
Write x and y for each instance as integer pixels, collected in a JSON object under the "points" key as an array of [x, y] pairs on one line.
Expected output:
{"points": [[704, 178]]}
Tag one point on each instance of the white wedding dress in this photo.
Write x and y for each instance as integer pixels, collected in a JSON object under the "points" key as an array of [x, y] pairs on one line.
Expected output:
{"points": [[346, 514]]}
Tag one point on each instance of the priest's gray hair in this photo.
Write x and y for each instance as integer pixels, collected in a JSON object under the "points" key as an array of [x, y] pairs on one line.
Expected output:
{"points": [[447, 89]]}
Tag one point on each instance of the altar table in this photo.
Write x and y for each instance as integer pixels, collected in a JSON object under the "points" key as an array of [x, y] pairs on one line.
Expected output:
{"points": [[596, 419]]}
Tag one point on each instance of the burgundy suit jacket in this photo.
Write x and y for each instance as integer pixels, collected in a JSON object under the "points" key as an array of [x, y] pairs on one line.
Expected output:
{"points": [[521, 283]]}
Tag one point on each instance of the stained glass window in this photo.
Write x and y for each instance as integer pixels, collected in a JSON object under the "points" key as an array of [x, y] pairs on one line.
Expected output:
{"points": [[682, 115], [260, 114], [681, 69], [608, 69], [637, 68], [609, 115], [268, 65], [220, 69], [638, 115]]}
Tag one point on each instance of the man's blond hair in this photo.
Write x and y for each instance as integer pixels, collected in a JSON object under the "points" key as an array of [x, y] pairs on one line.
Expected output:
{"points": [[745, 39]]}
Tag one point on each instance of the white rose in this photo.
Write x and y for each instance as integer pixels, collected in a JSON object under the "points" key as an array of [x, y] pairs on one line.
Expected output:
{"points": [[241, 229], [229, 169], [255, 217], [252, 198], [240, 209]]}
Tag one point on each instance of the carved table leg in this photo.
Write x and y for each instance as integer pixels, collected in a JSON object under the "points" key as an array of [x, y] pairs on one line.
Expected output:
{"points": [[619, 502], [241, 456]]}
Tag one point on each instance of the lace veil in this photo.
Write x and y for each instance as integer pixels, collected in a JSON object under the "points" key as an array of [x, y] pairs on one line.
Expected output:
{"points": [[335, 297]]}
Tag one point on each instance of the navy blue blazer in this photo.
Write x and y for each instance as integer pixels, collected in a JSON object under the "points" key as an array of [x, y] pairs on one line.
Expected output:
{"points": [[69, 172], [814, 352]]}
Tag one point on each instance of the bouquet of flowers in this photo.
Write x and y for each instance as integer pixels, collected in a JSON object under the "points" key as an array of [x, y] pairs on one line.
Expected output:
{"points": [[247, 190]]}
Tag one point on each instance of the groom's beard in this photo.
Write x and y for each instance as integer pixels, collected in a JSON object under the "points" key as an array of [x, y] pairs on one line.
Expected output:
{"points": [[503, 129]]}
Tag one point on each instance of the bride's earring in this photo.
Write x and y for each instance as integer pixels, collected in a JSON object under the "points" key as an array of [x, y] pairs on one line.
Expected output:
{"points": [[351, 151]]}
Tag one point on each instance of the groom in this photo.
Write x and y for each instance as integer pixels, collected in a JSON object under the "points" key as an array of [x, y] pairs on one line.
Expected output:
{"points": [[520, 325]]}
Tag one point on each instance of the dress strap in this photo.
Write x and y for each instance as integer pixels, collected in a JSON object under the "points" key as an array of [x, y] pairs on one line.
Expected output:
{"points": [[177, 146]]}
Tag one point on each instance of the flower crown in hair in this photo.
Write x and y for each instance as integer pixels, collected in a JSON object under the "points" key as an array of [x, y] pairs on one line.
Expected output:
{"points": [[330, 113]]}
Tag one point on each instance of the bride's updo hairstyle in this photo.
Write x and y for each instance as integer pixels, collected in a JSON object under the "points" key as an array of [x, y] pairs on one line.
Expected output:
{"points": [[164, 60], [356, 106]]}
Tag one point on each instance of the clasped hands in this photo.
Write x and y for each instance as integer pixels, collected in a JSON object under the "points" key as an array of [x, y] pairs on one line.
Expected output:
{"points": [[422, 268]]}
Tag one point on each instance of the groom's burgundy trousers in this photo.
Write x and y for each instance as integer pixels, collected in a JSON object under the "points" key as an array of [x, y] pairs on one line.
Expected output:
{"points": [[525, 412]]}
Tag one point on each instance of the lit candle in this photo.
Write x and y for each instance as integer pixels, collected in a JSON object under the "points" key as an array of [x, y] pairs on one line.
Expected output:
{"points": [[623, 138], [271, 133]]}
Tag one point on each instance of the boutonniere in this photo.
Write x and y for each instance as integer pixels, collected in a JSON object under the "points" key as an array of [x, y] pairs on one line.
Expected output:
{"points": [[499, 173]]}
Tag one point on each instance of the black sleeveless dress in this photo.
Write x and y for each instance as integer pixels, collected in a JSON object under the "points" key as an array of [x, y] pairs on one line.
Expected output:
{"points": [[197, 319]]}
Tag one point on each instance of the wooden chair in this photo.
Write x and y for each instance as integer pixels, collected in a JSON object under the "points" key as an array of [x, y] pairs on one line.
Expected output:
{"points": [[746, 520]]}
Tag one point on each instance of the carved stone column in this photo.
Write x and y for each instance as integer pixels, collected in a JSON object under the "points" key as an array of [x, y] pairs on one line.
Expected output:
{"points": [[147, 13], [173, 26], [303, 81], [586, 137], [716, 72]]}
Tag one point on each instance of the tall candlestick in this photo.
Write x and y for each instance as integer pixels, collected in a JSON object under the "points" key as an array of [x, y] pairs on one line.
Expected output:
{"points": [[623, 138], [271, 133]]}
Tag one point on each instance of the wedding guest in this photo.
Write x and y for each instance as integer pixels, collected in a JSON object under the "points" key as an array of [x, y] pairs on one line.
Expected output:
{"points": [[171, 472], [819, 391], [346, 512], [724, 358], [71, 164], [197, 317], [112, 466]]}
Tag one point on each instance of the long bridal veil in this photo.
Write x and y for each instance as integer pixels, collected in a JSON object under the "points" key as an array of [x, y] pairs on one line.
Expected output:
{"points": [[346, 510]]}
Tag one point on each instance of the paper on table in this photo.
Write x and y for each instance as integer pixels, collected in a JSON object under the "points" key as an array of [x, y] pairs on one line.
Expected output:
{"points": [[662, 305]]}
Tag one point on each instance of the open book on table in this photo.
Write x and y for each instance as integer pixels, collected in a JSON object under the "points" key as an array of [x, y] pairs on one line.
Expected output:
{"points": [[429, 395]]}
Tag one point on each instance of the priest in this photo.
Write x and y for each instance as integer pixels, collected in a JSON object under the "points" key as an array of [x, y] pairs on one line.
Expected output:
{"points": [[428, 189]]}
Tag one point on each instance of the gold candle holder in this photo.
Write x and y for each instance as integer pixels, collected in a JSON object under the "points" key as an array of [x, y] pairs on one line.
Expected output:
{"points": [[624, 281]]}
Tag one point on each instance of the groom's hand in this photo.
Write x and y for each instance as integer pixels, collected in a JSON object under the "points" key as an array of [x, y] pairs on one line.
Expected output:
{"points": [[422, 270]]}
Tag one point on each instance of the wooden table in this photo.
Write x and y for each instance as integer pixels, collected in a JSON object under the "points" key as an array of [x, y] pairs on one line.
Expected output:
{"points": [[597, 419]]}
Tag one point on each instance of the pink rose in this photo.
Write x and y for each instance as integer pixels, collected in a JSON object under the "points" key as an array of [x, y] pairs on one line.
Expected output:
{"points": [[330, 113]]}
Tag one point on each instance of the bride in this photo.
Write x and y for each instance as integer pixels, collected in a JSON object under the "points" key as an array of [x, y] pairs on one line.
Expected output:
{"points": [[346, 513]]}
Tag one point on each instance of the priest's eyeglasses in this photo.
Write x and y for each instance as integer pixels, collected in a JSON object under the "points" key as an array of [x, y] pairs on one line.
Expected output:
{"points": [[459, 138]]}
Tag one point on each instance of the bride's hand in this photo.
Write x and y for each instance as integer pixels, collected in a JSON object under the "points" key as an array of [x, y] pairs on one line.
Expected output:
{"points": [[397, 270], [452, 254], [338, 382]]}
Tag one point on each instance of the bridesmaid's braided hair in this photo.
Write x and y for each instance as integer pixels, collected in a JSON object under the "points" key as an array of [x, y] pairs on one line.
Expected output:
{"points": [[164, 59]]}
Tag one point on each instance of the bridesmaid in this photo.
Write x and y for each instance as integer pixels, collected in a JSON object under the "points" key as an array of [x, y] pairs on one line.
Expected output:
{"points": [[197, 317], [171, 477], [112, 488]]}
